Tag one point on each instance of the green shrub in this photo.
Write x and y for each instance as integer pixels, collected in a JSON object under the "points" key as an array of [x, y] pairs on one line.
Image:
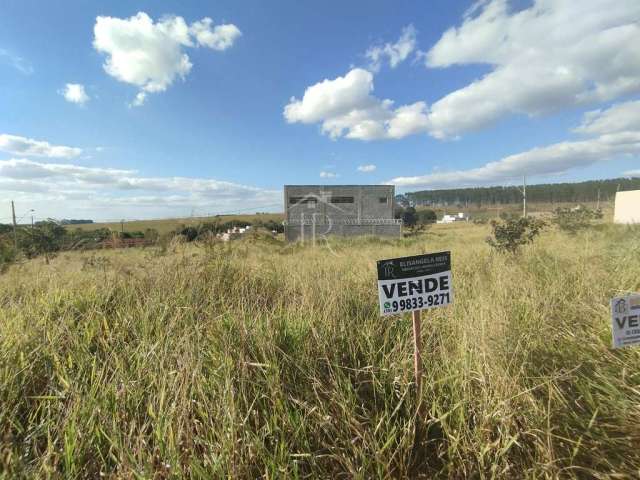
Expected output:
{"points": [[270, 225], [44, 239], [427, 216], [135, 234], [8, 252], [572, 220], [189, 233], [510, 235], [409, 217], [151, 234]]}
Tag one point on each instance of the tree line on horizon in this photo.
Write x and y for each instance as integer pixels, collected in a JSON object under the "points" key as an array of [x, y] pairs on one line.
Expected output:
{"points": [[580, 192]]}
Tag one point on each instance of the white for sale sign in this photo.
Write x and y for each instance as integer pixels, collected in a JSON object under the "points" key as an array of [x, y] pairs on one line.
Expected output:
{"points": [[625, 320], [414, 283]]}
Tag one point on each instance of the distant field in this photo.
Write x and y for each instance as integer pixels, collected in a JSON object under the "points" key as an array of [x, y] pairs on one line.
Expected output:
{"points": [[170, 224], [492, 211], [258, 359]]}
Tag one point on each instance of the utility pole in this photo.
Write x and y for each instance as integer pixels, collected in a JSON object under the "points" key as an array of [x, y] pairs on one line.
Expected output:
{"points": [[598, 205], [31, 223], [524, 196], [15, 228], [122, 226]]}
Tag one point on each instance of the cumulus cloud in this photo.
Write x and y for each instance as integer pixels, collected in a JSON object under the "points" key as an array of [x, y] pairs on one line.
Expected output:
{"points": [[325, 174], [614, 132], [332, 98], [618, 118], [632, 173], [23, 169], [394, 53], [551, 55], [346, 107], [17, 145], [75, 93], [91, 177], [367, 168], [151, 55], [100, 190], [220, 37]]}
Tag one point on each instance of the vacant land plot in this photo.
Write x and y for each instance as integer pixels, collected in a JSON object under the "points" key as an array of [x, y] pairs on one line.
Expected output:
{"points": [[259, 359], [171, 224]]}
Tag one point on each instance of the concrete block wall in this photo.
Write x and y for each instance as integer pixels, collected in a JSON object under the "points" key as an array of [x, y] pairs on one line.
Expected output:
{"points": [[323, 202], [293, 233]]}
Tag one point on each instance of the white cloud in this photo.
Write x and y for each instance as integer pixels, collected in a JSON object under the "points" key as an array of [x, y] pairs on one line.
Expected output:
{"points": [[63, 189], [150, 55], [23, 169], [367, 168], [75, 93], [220, 37], [139, 99], [551, 55], [17, 145], [17, 62], [618, 118], [332, 98], [395, 53], [345, 107], [325, 174], [617, 133], [632, 173]]}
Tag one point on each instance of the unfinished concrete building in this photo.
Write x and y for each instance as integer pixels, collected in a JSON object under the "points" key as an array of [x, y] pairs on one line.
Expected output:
{"points": [[315, 211]]}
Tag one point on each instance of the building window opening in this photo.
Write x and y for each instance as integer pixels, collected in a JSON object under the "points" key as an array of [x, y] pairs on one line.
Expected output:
{"points": [[310, 201], [341, 199], [382, 199]]}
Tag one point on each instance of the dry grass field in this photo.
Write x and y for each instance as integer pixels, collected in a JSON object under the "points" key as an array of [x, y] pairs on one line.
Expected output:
{"points": [[171, 224], [256, 359], [483, 212]]}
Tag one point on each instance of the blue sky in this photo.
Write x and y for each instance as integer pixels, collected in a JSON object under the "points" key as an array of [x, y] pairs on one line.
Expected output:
{"points": [[421, 95]]}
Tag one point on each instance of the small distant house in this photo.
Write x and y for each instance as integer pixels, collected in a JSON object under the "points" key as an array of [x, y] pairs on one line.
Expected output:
{"points": [[627, 207], [460, 217], [233, 233]]}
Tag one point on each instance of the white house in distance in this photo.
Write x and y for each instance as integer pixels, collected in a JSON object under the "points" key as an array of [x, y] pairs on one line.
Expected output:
{"points": [[460, 217], [627, 209], [233, 233]]}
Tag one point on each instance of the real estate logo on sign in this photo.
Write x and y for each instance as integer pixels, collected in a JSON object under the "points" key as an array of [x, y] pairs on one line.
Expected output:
{"points": [[625, 320], [414, 283]]}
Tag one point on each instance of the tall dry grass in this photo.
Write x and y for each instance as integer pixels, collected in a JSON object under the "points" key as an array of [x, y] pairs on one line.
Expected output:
{"points": [[260, 360]]}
